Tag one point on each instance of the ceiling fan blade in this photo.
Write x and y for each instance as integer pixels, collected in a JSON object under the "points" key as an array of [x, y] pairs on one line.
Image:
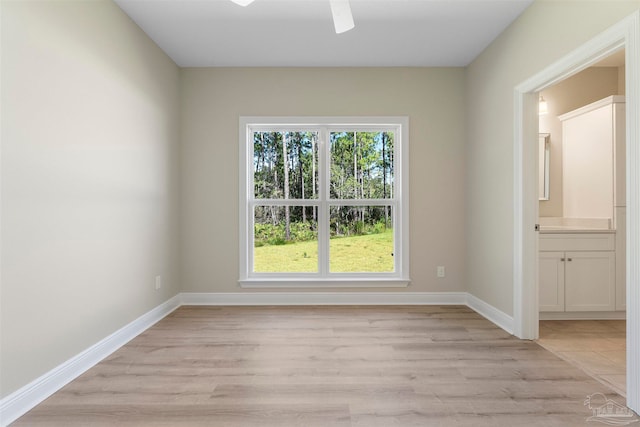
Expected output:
{"points": [[243, 2], [342, 17]]}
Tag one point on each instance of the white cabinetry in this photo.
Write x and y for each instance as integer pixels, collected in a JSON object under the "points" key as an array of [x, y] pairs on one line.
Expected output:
{"points": [[577, 272], [593, 165], [590, 281], [583, 270], [551, 281]]}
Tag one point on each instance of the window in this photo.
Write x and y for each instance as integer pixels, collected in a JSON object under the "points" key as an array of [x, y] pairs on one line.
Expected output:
{"points": [[323, 201]]}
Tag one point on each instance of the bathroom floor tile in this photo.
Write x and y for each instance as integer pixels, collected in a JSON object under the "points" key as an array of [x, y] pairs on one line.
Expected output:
{"points": [[598, 347]]}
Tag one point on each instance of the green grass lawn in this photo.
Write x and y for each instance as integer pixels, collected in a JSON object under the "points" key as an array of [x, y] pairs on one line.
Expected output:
{"points": [[370, 253]]}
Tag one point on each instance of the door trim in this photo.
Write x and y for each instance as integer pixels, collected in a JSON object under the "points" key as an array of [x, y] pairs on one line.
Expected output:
{"points": [[625, 34]]}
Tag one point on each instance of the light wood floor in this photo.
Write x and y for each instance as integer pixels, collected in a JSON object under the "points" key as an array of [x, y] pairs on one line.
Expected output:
{"points": [[598, 347], [324, 366]]}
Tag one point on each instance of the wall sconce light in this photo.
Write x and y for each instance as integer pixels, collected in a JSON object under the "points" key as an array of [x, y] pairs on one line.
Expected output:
{"points": [[543, 108]]}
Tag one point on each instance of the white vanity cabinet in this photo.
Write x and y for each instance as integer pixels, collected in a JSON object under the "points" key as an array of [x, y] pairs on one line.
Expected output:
{"points": [[551, 279], [590, 281], [581, 259], [577, 272]]}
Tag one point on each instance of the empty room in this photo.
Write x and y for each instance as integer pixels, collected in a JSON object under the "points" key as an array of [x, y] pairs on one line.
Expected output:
{"points": [[319, 213]]}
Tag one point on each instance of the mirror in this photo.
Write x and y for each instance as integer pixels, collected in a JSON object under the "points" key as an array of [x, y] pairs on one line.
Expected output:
{"points": [[543, 166]]}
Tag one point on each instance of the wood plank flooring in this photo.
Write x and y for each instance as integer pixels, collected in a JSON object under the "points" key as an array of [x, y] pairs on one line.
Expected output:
{"points": [[324, 366]]}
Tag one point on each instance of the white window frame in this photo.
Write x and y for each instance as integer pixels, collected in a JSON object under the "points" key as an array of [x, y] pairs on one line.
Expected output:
{"points": [[400, 202]]}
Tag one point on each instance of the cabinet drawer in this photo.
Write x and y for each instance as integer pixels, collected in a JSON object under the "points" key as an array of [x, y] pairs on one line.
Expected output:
{"points": [[577, 242]]}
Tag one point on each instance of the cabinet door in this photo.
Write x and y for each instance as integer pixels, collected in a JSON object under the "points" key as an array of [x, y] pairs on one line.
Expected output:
{"points": [[587, 164], [590, 281], [551, 281]]}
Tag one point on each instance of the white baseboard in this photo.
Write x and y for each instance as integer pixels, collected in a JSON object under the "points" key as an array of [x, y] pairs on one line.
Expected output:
{"points": [[26, 398], [325, 298], [486, 310], [21, 401], [491, 313], [583, 315]]}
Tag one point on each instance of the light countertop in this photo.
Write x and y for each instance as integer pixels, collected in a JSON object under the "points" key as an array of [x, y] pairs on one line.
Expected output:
{"points": [[566, 229]]}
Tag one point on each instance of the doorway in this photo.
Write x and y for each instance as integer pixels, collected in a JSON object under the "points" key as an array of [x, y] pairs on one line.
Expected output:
{"points": [[581, 298], [625, 34]]}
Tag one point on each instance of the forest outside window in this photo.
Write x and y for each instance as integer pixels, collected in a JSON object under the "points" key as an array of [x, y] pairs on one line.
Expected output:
{"points": [[322, 203]]}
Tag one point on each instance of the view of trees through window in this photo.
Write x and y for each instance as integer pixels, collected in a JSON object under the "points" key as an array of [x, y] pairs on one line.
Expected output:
{"points": [[293, 197]]}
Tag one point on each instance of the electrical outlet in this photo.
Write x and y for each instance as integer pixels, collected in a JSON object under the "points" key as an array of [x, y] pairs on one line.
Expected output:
{"points": [[158, 282], [440, 271]]}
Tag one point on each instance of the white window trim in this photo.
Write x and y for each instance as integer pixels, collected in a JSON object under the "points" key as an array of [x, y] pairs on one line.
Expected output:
{"points": [[399, 278]]}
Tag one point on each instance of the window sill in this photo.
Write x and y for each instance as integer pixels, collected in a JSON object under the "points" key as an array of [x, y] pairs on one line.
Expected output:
{"points": [[329, 283]]}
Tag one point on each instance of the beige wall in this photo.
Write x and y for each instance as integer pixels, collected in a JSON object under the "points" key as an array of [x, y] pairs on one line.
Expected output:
{"points": [[621, 80], [588, 86], [546, 31], [212, 101], [89, 180]]}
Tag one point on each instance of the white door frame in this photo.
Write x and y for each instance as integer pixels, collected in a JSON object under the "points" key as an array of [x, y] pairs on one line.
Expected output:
{"points": [[625, 34]]}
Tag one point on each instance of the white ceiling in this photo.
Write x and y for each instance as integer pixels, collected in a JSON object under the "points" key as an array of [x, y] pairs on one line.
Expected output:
{"points": [[219, 33]]}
